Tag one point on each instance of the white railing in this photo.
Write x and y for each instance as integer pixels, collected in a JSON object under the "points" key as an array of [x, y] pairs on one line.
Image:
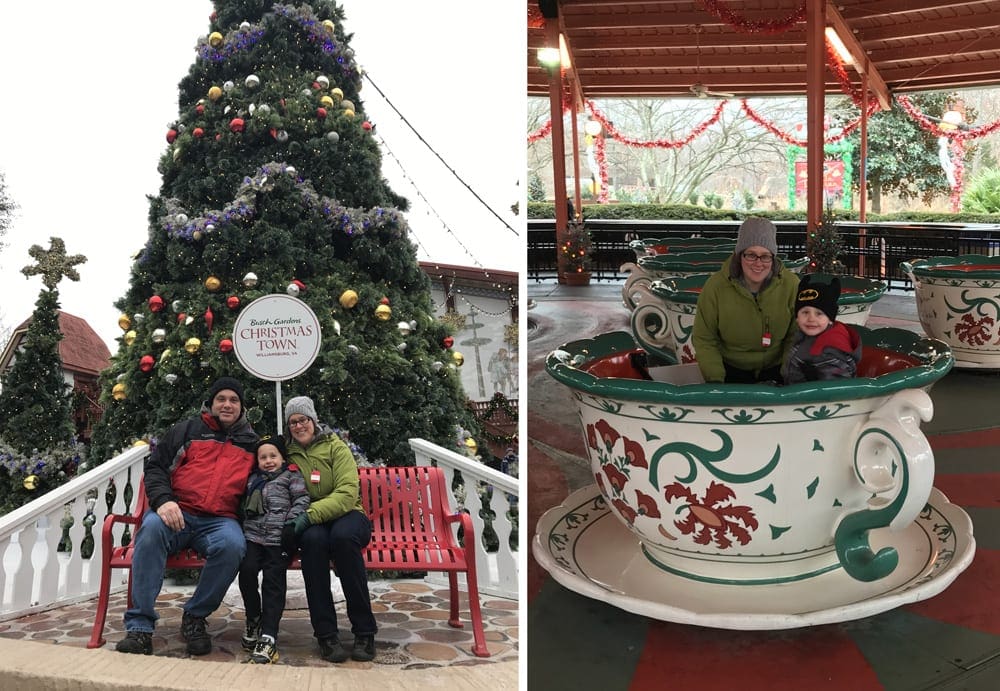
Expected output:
{"points": [[43, 543], [497, 571], [50, 549]]}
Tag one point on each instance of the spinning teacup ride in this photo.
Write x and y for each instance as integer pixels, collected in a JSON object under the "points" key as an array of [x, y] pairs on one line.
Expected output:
{"points": [[753, 506], [663, 319], [958, 301], [657, 267], [667, 245]]}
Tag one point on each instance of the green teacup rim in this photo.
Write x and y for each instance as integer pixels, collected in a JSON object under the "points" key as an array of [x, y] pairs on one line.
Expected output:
{"points": [[686, 289], [941, 266]]}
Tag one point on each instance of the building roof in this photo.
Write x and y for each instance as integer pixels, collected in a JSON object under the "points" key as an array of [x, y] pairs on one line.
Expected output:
{"points": [[81, 350]]}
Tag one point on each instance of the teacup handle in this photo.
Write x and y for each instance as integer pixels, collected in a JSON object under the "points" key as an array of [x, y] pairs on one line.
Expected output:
{"points": [[650, 325], [637, 278], [891, 435]]}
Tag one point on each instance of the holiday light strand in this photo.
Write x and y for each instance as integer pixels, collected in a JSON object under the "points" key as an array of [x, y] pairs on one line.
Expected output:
{"points": [[771, 26], [657, 143]]}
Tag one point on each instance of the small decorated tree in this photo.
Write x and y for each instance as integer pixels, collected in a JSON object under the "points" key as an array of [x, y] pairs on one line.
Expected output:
{"points": [[826, 246], [575, 249]]}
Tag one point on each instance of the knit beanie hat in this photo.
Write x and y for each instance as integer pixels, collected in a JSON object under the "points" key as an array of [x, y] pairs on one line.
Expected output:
{"points": [[275, 441], [302, 405], [758, 232], [221, 384], [822, 296]]}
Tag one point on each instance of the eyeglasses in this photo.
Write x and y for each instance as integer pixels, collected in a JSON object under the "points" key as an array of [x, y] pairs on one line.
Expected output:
{"points": [[750, 258], [298, 422]]}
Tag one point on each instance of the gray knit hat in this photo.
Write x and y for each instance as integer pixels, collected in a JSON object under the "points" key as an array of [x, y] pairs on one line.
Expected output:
{"points": [[758, 232], [302, 405]]}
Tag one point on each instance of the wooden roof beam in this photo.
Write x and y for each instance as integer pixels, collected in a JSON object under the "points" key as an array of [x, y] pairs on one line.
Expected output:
{"points": [[860, 58]]}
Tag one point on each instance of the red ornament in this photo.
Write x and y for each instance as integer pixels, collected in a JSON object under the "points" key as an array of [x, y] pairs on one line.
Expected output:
{"points": [[299, 284], [317, 86], [236, 125], [384, 300], [171, 136], [200, 109], [181, 316], [218, 137], [155, 303], [209, 319], [274, 133], [198, 133], [146, 363], [226, 345], [367, 126], [448, 341], [232, 302], [321, 113]]}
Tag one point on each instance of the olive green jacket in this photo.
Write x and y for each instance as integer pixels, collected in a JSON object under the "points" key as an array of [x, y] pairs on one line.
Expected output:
{"points": [[338, 490], [730, 323]]}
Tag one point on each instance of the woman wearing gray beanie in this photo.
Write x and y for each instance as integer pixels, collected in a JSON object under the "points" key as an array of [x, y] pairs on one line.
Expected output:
{"points": [[744, 319], [334, 528]]}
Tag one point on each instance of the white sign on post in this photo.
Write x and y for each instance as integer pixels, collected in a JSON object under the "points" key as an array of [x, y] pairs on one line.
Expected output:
{"points": [[276, 337]]}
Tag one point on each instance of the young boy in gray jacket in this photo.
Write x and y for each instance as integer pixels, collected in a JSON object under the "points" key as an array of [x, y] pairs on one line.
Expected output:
{"points": [[276, 493]]}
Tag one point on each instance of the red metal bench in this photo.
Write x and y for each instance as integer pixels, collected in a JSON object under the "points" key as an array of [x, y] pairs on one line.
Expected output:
{"points": [[411, 532]]}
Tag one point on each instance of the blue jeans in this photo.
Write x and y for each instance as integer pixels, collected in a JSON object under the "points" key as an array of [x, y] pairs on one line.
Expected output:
{"points": [[219, 540], [340, 540]]}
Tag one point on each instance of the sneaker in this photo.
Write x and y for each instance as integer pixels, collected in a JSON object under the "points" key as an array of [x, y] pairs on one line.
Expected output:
{"points": [[136, 642], [251, 634], [265, 652], [331, 650], [193, 631], [364, 648]]}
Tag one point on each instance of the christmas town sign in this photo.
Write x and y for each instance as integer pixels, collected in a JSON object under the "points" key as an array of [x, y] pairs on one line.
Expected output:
{"points": [[276, 337]]}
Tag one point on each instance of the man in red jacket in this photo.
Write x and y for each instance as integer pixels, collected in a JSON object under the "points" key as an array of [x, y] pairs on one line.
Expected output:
{"points": [[194, 479]]}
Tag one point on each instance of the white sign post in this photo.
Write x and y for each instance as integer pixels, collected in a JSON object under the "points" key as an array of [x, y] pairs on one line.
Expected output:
{"points": [[276, 337]]}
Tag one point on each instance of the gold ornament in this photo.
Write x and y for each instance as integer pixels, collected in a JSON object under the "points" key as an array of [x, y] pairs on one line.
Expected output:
{"points": [[129, 337], [471, 445], [337, 93], [458, 358], [140, 442], [165, 354], [215, 93], [31, 482], [212, 284], [118, 392], [329, 26], [192, 345], [215, 39], [383, 312], [125, 322], [326, 102], [348, 113], [348, 299]]}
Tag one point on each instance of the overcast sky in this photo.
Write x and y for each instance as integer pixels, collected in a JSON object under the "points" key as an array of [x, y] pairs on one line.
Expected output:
{"points": [[91, 89]]}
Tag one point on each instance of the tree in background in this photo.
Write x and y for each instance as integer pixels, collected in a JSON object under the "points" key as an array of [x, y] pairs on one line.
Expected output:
{"points": [[7, 208], [902, 158], [38, 451], [271, 183]]}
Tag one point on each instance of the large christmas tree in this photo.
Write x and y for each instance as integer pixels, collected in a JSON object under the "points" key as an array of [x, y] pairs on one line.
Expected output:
{"points": [[272, 184]]}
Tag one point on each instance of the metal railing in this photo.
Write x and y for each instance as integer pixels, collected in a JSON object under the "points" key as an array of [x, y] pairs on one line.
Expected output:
{"points": [[50, 548], [871, 250]]}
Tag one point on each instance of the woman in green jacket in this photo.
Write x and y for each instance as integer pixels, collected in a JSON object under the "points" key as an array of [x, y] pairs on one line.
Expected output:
{"points": [[335, 527], [745, 318]]}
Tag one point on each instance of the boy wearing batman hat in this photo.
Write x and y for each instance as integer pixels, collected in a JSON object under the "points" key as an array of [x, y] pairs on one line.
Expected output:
{"points": [[194, 479], [823, 348], [276, 494]]}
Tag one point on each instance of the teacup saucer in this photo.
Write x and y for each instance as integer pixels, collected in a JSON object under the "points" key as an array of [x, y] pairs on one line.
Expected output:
{"points": [[588, 550]]}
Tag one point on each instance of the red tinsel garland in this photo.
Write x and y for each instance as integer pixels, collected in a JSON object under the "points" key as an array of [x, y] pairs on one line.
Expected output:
{"points": [[932, 127], [541, 133], [956, 148], [837, 67], [602, 167], [656, 143], [773, 26]]}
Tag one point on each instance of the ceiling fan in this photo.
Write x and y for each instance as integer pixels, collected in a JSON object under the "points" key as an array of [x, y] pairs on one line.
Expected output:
{"points": [[699, 90]]}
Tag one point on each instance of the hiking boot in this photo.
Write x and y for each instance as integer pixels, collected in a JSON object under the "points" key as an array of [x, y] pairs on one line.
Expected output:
{"points": [[265, 652], [136, 642], [331, 650], [364, 648], [252, 633], [193, 631]]}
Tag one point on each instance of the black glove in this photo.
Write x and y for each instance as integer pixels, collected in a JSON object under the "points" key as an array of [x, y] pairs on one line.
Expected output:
{"points": [[288, 541]]}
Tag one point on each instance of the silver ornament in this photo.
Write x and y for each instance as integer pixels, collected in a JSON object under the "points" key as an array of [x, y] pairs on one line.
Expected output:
{"points": [[333, 136], [291, 170], [228, 86], [177, 306], [159, 335], [244, 26], [252, 81], [182, 218], [209, 227], [282, 136], [436, 366], [292, 290], [404, 328], [250, 280], [171, 378], [413, 325], [401, 348], [353, 348], [336, 326], [138, 317], [264, 109], [323, 81]]}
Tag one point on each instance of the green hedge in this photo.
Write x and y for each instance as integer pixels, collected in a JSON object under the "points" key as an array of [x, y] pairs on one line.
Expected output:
{"points": [[687, 212]]}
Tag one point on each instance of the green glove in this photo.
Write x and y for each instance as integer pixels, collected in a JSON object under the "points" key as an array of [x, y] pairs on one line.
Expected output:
{"points": [[300, 523]]}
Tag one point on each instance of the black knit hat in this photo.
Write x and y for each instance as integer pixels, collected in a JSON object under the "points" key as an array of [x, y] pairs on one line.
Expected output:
{"points": [[822, 296], [223, 383], [276, 440]]}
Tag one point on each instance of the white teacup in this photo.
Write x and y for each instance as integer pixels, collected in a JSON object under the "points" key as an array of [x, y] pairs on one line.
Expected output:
{"points": [[751, 484]]}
